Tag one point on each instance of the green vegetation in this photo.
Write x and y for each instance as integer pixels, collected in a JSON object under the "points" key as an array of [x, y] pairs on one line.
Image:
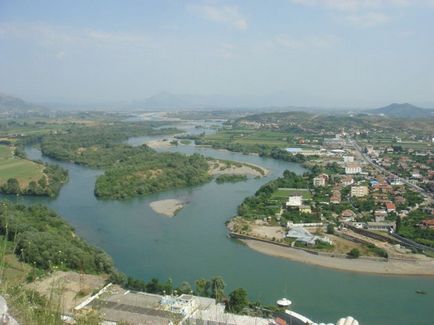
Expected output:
{"points": [[92, 146], [377, 250], [247, 137], [283, 193], [262, 205], [238, 300], [41, 238], [144, 171], [330, 229], [14, 167], [233, 178], [25, 177], [409, 228], [129, 171], [354, 253]]}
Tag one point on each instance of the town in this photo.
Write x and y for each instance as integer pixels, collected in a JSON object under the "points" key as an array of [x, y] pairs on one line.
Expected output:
{"points": [[362, 199]]}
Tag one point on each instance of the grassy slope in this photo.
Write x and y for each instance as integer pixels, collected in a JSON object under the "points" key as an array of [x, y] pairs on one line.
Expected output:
{"points": [[22, 169]]}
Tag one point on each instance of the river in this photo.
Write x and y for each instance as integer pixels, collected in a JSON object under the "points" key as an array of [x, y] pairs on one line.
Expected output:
{"points": [[194, 244]]}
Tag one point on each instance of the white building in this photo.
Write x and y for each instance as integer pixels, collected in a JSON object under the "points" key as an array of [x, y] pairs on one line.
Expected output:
{"points": [[348, 159], [359, 191], [294, 201], [320, 180], [352, 168]]}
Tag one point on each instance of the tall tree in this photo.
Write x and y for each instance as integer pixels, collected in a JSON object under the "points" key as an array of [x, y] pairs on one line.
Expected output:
{"points": [[238, 300]]}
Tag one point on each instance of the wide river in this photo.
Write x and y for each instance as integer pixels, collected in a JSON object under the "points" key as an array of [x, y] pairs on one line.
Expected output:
{"points": [[194, 244]]}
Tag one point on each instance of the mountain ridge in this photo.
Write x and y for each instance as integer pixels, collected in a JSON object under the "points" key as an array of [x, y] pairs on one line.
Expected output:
{"points": [[403, 110]]}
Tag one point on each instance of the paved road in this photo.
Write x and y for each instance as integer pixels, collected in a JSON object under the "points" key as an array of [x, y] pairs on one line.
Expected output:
{"points": [[386, 172]]}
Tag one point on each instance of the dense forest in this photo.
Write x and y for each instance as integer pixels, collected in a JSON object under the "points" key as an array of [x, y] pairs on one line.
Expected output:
{"points": [[144, 171], [129, 171], [41, 238], [81, 144]]}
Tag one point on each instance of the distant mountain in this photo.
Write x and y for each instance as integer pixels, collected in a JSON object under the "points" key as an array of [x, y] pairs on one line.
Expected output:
{"points": [[169, 101], [14, 105], [403, 110]]}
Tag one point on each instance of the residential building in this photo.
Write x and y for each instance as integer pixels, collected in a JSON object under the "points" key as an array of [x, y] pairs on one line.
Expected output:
{"points": [[294, 201], [305, 209], [347, 180], [382, 187], [380, 215], [359, 191], [348, 159], [320, 180], [352, 168], [390, 207], [336, 197], [347, 216], [427, 223]]}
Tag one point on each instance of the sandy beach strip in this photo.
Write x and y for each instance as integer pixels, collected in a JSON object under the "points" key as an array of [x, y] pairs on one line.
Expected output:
{"points": [[168, 208], [160, 143], [221, 168], [391, 267]]}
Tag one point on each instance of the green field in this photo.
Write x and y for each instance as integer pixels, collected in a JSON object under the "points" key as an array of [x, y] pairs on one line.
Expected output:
{"points": [[250, 137], [22, 169], [404, 144], [284, 193]]}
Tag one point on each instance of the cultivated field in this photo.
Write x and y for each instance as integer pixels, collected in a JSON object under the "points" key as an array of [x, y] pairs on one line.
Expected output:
{"points": [[250, 137], [21, 169], [284, 193]]}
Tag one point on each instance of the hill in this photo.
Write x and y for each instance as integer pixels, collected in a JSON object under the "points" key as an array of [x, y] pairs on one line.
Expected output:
{"points": [[403, 110], [15, 106]]}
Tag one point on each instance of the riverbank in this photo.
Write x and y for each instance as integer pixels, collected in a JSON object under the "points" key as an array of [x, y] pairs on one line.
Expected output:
{"points": [[168, 208], [162, 143], [219, 167], [391, 267]]}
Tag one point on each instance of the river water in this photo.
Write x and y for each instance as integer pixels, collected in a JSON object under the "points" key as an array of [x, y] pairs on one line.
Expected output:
{"points": [[194, 244]]}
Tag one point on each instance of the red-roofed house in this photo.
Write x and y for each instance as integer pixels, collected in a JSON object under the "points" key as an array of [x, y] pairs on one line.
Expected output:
{"points": [[390, 207], [427, 223]]}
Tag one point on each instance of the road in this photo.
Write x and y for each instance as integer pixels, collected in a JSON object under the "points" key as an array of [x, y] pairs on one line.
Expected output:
{"points": [[386, 172]]}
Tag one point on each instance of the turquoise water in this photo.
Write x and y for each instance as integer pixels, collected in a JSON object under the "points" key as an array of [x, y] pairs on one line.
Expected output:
{"points": [[194, 244]]}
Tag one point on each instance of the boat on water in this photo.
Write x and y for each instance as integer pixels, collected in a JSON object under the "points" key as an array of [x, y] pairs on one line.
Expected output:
{"points": [[421, 292]]}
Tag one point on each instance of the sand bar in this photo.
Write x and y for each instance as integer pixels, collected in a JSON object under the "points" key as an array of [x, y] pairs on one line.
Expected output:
{"points": [[168, 208], [422, 266], [222, 168]]}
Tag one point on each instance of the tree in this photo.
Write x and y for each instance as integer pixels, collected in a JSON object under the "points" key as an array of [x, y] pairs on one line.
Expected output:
{"points": [[398, 223], [217, 286], [184, 287], [330, 229], [11, 187], [354, 253], [238, 300], [202, 287]]}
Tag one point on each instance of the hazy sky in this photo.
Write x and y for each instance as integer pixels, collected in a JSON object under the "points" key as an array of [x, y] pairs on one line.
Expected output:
{"points": [[304, 52]]}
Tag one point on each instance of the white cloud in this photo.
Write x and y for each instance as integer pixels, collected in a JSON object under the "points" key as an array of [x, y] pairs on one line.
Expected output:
{"points": [[370, 19], [354, 5], [311, 42], [221, 14], [57, 35]]}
